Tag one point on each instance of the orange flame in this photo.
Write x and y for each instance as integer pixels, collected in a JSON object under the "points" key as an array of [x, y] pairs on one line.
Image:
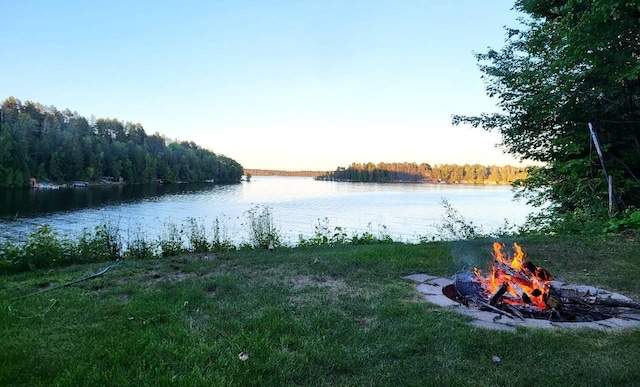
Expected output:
{"points": [[526, 283]]}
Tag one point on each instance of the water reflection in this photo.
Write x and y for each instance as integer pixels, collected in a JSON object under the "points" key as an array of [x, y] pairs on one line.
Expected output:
{"points": [[34, 202]]}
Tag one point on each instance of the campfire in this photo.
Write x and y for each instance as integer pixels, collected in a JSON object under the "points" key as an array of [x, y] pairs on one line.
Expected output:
{"points": [[515, 287]]}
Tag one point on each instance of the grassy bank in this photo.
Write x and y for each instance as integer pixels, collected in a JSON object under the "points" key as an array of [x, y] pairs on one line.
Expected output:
{"points": [[322, 315]]}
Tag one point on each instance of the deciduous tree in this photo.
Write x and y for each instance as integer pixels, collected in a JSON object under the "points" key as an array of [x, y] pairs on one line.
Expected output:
{"points": [[570, 63]]}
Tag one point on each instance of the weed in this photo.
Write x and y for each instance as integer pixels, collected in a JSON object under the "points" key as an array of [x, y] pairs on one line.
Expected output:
{"points": [[139, 248], [221, 241], [170, 241], [10, 258], [45, 248], [263, 232], [324, 235], [101, 244], [628, 219], [368, 238], [454, 226], [196, 236]]}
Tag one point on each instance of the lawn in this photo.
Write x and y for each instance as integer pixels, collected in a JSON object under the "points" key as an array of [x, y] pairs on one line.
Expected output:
{"points": [[339, 315]]}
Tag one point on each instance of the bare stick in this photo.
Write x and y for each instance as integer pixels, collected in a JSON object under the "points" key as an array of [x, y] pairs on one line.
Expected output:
{"points": [[493, 308]]}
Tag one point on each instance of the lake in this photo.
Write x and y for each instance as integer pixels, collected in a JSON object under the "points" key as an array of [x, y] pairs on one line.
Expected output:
{"points": [[406, 212]]}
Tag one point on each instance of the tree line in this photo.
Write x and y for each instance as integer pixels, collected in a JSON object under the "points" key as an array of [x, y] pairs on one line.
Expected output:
{"points": [[278, 172], [44, 143], [413, 172]]}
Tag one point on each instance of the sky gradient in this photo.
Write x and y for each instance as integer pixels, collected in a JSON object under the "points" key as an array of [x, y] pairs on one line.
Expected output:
{"points": [[297, 85]]}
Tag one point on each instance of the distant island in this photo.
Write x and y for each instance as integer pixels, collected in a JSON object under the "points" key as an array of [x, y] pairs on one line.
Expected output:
{"points": [[409, 173], [275, 172], [425, 173]]}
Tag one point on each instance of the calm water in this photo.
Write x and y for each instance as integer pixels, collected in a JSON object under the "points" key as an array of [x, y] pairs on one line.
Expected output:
{"points": [[405, 211]]}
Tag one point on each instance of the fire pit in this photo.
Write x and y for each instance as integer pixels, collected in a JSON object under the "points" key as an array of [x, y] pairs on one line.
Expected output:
{"points": [[515, 292]]}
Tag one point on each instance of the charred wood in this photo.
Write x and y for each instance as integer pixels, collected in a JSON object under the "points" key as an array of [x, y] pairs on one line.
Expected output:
{"points": [[521, 293], [497, 295], [497, 310], [514, 311], [608, 302], [516, 275]]}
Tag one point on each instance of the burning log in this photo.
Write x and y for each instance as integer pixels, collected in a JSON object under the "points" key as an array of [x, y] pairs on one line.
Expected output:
{"points": [[543, 274], [497, 295], [521, 293], [526, 283], [537, 272], [553, 302], [517, 275], [519, 289]]}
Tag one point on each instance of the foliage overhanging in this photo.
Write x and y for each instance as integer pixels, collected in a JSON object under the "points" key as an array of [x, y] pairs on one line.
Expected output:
{"points": [[570, 64]]}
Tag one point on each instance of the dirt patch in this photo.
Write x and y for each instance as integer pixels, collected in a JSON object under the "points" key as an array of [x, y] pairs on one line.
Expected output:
{"points": [[211, 291], [154, 277], [124, 297], [194, 257], [302, 281], [313, 289], [44, 286], [181, 276], [363, 322]]}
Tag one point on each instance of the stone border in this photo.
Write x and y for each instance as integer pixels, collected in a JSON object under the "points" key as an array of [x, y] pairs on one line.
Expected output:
{"points": [[430, 288]]}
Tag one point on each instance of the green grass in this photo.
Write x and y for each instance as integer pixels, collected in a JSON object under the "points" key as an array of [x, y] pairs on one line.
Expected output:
{"points": [[338, 315]]}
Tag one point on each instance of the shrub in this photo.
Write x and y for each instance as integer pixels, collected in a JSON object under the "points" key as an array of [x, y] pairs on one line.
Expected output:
{"points": [[454, 226], [103, 244], [324, 235], [139, 248], [262, 229], [170, 241], [44, 248], [369, 238], [10, 258], [197, 236]]}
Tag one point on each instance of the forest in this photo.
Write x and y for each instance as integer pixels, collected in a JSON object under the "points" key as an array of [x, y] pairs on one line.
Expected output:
{"points": [[46, 144], [278, 172], [412, 172]]}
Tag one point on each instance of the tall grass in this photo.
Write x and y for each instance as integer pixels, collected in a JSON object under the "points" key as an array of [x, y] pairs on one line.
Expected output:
{"points": [[326, 235], [263, 231], [46, 248], [454, 226]]}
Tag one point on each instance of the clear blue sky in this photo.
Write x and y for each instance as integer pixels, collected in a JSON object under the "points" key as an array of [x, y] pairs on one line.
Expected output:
{"points": [[295, 84]]}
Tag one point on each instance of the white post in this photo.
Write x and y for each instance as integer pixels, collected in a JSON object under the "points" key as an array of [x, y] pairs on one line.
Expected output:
{"points": [[608, 177], [610, 181]]}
